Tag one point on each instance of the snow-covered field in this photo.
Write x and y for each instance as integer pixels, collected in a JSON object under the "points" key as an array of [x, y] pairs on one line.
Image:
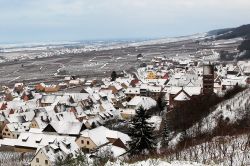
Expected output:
{"points": [[220, 43], [10, 52]]}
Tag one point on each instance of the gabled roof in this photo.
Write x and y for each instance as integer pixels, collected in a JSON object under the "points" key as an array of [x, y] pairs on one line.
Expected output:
{"points": [[66, 117], [195, 90], [182, 96], [97, 135], [117, 135], [16, 118], [100, 134], [65, 128], [18, 127], [61, 148], [146, 102], [36, 140]]}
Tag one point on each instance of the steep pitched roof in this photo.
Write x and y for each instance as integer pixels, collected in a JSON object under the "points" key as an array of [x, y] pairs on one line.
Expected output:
{"points": [[97, 135], [182, 96], [146, 102]]}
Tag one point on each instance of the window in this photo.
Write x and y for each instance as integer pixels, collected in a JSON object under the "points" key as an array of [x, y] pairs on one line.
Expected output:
{"points": [[82, 141], [88, 142], [4, 133], [46, 162], [37, 160], [6, 130]]}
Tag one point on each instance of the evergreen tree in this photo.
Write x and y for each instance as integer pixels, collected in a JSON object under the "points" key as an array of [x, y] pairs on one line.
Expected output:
{"points": [[141, 133], [165, 134], [161, 102], [80, 159], [113, 76]]}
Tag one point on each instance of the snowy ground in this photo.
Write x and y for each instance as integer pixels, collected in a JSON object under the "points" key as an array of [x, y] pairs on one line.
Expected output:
{"points": [[155, 162]]}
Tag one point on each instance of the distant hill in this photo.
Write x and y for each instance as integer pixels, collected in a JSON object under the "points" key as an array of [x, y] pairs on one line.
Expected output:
{"points": [[219, 31], [229, 33]]}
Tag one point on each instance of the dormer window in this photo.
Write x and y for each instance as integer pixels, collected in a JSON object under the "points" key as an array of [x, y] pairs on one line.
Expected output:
{"points": [[55, 148], [24, 139], [38, 140]]}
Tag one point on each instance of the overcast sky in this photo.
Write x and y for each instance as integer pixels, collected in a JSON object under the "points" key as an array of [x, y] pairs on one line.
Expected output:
{"points": [[63, 20]]}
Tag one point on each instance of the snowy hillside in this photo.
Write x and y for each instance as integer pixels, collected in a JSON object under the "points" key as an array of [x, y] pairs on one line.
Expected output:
{"points": [[222, 151], [230, 111]]}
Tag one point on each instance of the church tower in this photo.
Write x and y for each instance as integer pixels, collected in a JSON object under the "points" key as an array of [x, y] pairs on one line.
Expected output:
{"points": [[208, 79]]}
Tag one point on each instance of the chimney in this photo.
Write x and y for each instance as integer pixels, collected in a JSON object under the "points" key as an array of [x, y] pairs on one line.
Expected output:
{"points": [[47, 149]]}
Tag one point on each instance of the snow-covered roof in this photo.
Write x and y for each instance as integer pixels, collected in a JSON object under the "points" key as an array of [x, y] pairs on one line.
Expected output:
{"points": [[48, 99], [35, 140], [182, 97], [146, 102], [100, 134], [97, 135], [67, 128], [18, 127], [116, 134]]}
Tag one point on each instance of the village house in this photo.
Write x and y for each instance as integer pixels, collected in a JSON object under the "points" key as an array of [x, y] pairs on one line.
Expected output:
{"points": [[13, 130], [47, 100], [34, 139], [18, 87], [151, 75], [150, 91], [138, 101], [39, 122], [64, 128], [91, 140], [135, 103], [132, 91], [179, 95], [3, 122], [49, 154], [46, 88]]}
